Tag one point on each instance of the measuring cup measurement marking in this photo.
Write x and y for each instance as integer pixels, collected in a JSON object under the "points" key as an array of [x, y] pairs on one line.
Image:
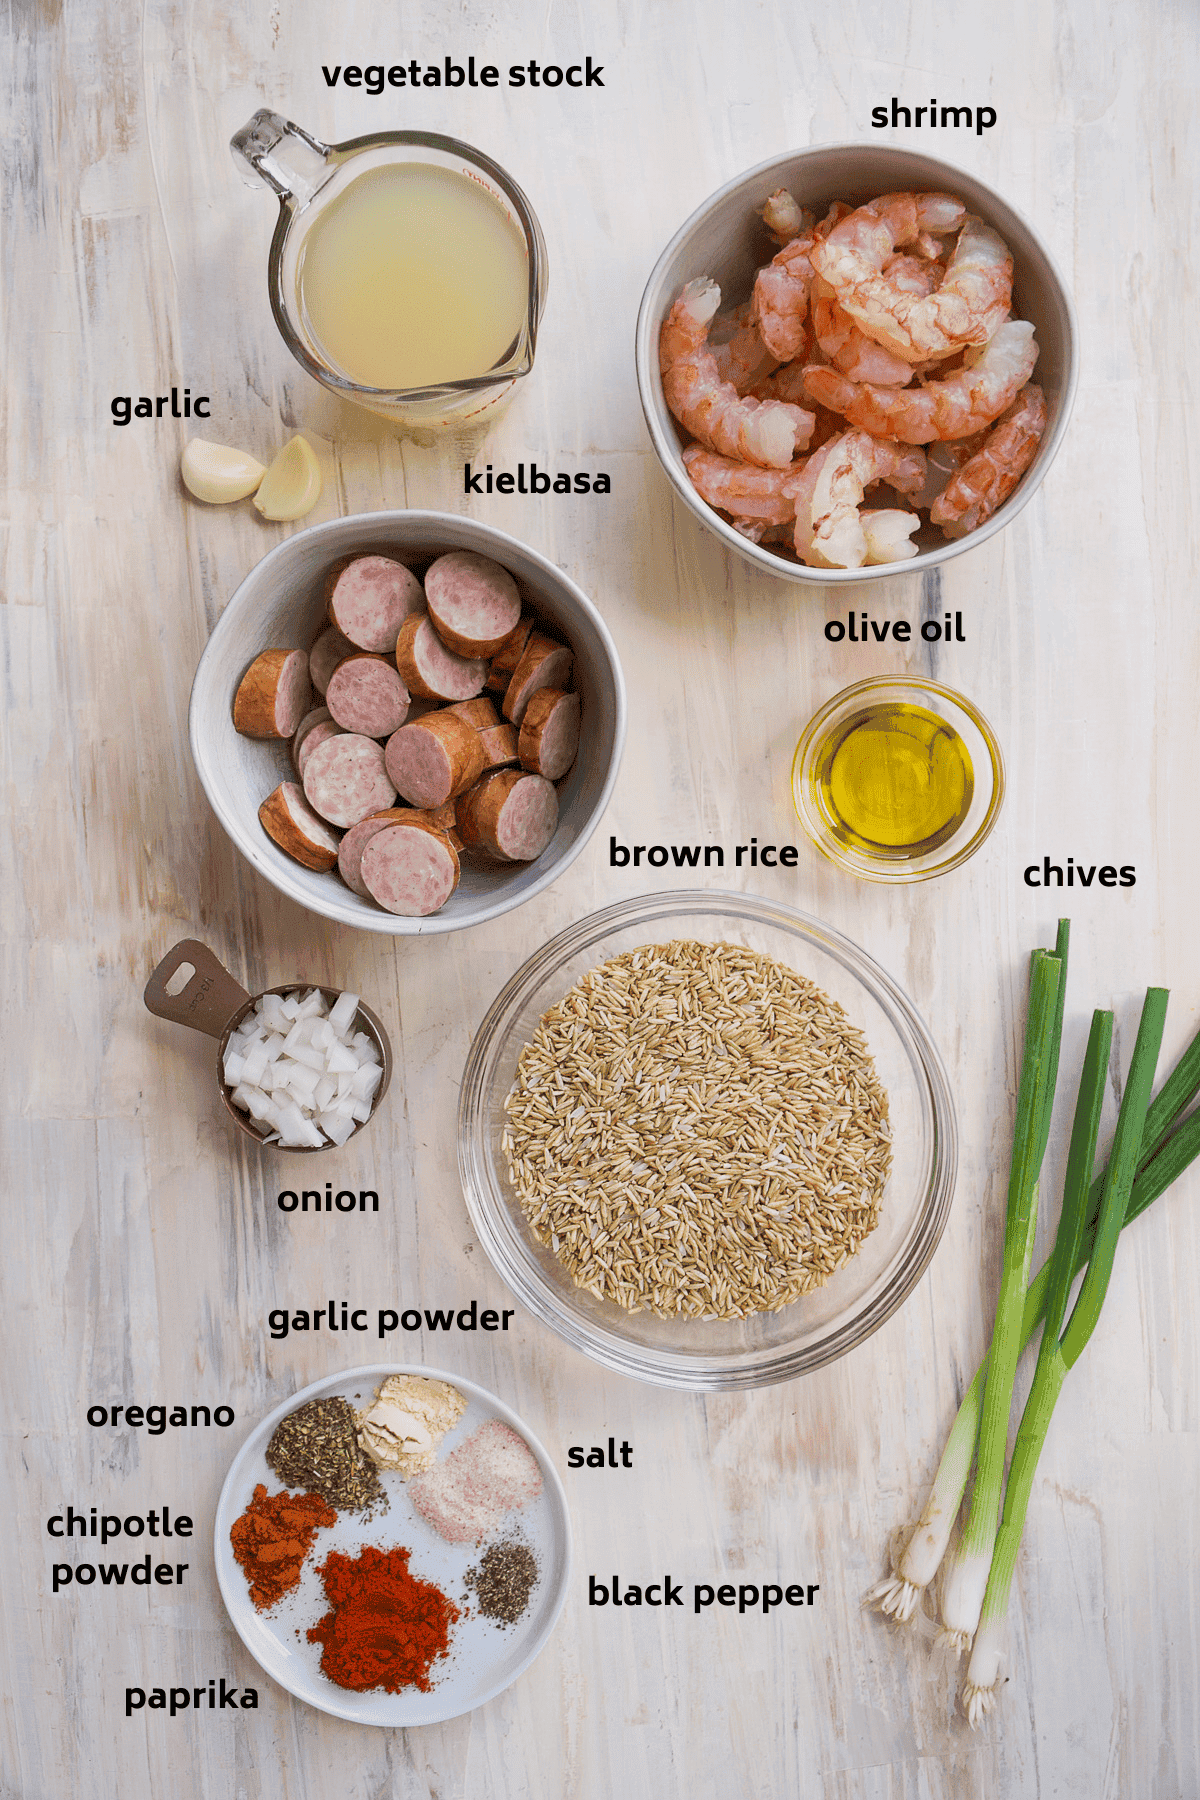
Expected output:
{"points": [[477, 178]]}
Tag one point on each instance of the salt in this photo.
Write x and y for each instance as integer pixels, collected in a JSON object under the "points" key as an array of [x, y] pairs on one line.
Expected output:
{"points": [[466, 1496]]}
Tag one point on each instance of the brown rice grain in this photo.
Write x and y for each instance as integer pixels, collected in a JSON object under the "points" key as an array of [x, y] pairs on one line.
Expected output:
{"points": [[698, 1130]]}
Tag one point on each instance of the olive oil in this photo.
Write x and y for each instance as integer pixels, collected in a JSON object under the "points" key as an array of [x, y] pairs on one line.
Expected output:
{"points": [[895, 781], [414, 276]]}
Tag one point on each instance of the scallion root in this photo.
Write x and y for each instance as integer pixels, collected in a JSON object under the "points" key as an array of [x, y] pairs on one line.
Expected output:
{"points": [[978, 1702], [895, 1597]]}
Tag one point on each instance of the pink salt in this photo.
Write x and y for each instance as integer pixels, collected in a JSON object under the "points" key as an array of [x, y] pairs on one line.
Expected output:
{"points": [[468, 1494]]}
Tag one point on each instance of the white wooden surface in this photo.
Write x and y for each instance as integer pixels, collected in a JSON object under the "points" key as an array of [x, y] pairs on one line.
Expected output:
{"points": [[143, 1246]]}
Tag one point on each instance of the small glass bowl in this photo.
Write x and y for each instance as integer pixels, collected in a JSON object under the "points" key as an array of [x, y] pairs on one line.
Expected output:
{"points": [[714, 1354], [900, 864]]}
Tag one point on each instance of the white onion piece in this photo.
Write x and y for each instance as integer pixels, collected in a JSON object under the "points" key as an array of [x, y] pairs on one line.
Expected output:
{"points": [[336, 1126], [344, 1013], [299, 1068]]}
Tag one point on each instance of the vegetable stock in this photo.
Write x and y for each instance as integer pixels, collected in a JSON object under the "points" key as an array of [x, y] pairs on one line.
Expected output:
{"points": [[411, 277]]}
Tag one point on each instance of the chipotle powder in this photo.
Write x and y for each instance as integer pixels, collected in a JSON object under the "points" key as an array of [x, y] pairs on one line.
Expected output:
{"points": [[385, 1627], [272, 1539]]}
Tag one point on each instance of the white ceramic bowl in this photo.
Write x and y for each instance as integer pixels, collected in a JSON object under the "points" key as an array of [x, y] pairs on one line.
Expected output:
{"points": [[725, 240], [280, 604]]}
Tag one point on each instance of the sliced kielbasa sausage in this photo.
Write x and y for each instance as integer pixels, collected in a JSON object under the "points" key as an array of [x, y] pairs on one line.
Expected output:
{"points": [[274, 694], [369, 598], [473, 602], [410, 868], [345, 779], [365, 694]]}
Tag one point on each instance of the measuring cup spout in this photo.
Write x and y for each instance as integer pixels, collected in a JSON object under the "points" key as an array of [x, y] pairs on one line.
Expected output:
{"points": [[272, 152]]}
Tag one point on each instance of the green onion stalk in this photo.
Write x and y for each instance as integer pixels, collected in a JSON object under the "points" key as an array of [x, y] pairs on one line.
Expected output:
{"points": [[1059, 1353], [1163, 1161], [967, 1572], [1169, 1145]]}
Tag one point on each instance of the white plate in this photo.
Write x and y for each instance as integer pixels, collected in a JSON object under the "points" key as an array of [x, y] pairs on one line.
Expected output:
{"points": [[484, 1657]]}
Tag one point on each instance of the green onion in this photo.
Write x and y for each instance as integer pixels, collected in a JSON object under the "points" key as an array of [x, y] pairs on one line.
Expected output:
{"points": [[1080, 1160], [966, 1577], [1169, 1145], [1059, 1353]]}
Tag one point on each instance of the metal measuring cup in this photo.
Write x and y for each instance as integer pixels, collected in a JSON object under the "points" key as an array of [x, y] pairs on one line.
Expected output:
{"points": [[211, 1001]]}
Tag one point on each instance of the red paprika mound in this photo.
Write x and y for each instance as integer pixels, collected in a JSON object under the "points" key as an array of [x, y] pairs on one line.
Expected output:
{"points": [[385, 1627]]}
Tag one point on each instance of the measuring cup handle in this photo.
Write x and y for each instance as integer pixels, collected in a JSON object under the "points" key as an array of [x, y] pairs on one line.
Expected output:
{"points": [[207, 1002], [271, 150]]}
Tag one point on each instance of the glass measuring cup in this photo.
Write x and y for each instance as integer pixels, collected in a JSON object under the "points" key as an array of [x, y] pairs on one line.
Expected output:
{"points": [[308, 176]]}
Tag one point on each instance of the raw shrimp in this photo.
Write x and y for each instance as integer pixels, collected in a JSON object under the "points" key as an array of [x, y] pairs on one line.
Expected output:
{"points": [[932, 249], [944, 458], [780, 302], [878, 328], [887, 533], [914, 274], [755, 497], [830, 488], [966, 309], [984, 483], [838, 210], [847, 347], [741, 356], [952, 408], [762, 432], [786, 383], [829, 425], [784, 217]]}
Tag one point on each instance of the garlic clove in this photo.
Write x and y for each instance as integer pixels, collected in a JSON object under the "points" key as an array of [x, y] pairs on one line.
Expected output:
{"points": [[291, 486], [215, 473]]}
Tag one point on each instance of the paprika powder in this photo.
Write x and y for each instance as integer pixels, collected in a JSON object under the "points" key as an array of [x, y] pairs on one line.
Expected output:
{"points": [[385, 1628], [272, 1539]]}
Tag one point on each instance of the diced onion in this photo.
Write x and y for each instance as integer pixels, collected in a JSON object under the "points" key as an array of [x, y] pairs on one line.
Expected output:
{"points": [[300, 1068], [344, 1013]]}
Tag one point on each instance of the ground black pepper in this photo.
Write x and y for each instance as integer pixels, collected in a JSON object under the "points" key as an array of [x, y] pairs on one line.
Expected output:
{"points": [[504, 1580], [316, 1448]]}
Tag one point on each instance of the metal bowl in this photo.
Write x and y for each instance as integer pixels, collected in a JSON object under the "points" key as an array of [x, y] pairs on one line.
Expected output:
{"points": [[726, 240]]}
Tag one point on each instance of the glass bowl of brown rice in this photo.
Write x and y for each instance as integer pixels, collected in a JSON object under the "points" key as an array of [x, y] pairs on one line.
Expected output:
{"points": [[707, 1139]]}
